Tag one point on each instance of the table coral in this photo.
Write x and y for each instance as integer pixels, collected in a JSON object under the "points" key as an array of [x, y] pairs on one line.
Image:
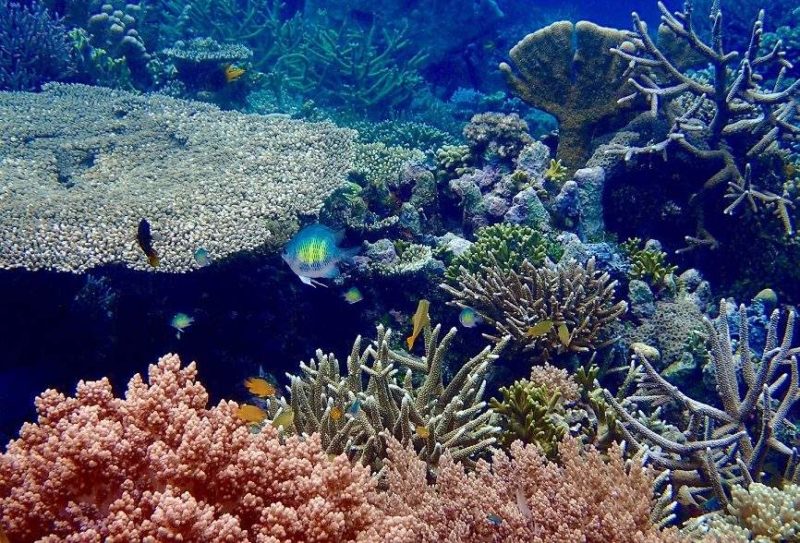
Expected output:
{"points": [[77, 180], [160, 466]]}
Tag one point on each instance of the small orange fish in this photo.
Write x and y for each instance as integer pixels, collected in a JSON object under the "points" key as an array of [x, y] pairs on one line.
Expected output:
{"points": [[251, 413], [336, 414], [259, 387], [233, 73], [423, 432]]}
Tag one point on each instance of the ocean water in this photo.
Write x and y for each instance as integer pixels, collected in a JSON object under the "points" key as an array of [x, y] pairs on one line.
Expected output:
{"points": [[161, 161]]}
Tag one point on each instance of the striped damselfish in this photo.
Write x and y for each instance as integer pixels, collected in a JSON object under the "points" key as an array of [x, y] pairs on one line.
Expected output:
{"points": [[314, 253]]}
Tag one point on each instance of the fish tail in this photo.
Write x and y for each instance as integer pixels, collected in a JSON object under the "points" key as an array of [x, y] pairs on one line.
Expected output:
{"points": [[410, 342]]}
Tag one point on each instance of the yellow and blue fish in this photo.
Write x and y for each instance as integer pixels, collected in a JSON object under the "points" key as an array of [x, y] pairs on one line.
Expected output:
{"points": [[314, 253]]}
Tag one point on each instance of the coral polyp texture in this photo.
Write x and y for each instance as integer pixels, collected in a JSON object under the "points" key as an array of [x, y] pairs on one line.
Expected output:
{"points": [[521, 497], [75, 181], [161, 466]]}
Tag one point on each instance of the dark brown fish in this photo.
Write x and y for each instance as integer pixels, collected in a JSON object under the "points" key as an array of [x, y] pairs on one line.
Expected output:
{"points": [[145, 240]]}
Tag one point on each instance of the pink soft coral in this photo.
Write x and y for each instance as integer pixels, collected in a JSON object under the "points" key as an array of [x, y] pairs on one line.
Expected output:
{"points": [[524, 498], [159, 466]]}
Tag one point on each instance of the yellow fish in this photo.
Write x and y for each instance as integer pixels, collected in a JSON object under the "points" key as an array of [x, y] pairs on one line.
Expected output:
{"points": [[233, 73], [251, 413], [259, 387], [420, 320], [423, 432], [285, 419], [336, 414], [564, 335], [539, 329]]}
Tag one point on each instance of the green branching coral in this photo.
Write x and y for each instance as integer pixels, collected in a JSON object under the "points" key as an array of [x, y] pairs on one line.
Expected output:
{"points": [[506, 246], [453, 161], [556, 171], [552, 404], [548, 310], [386, 392], [649, 265], [364, 70], [531, 413]]}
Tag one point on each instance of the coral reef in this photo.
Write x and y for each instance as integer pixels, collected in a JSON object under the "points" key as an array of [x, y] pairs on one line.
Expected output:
{"points": [[532, 414], [728, 121], [567, 70], [34, 48], [572, 304], [75, 188], [404, 396], [521, 496], [113, 34], [731, 444], [159, 465]]}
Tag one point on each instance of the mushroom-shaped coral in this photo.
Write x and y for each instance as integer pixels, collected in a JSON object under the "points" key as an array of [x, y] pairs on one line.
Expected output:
{"points": [[578, 84]]}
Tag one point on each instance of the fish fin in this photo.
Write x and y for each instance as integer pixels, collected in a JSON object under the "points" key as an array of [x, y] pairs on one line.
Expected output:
{"points": [[307, 281], [332, 273], [350, 252], [178, 334]]}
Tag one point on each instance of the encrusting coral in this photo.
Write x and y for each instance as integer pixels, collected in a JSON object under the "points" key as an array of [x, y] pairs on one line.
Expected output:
{"points": [[729, 121], [161, 466], [728, 445], [548, 310], [567, 70], [404, 396]]}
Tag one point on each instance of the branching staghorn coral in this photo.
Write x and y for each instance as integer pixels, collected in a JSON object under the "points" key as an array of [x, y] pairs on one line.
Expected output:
{"points": [[731, 444], [356, 417], [747, 119], [577, 301]]}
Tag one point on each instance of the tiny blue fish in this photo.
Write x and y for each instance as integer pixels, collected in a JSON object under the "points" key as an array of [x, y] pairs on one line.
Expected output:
{"points": [[354, 408], [469, 318], [314, 253], [201, 257], [494, 519], [352, 296]]}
